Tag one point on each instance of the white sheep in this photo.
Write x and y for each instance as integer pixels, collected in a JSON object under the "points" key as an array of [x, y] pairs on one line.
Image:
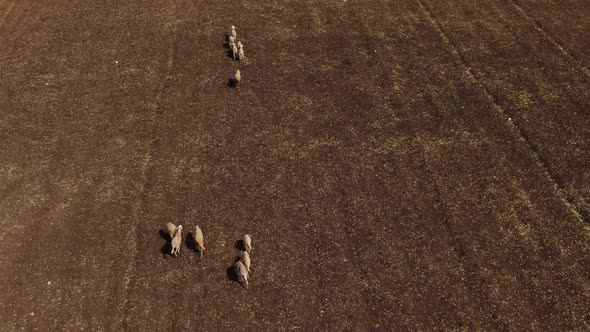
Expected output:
{"points": [[176, 240], [248, 243], [234, 51], [233, 32], [245, 257], [242, 273], [171, 229], [199, 240], [237, 77], [240, 52]]}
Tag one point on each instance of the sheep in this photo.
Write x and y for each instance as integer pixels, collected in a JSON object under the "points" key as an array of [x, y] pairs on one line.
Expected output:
{"points": [[233, 32], [240, 51], [234, 51], [248, 243], [237, 77], [199, 240], [242, 273], [176, 241], [245, 257], [171, 229]]}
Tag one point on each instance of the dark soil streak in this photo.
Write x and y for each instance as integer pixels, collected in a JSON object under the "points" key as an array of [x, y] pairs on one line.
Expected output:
{"points": [[147, 168], [583, 69], [470, 265], [504, 116]]}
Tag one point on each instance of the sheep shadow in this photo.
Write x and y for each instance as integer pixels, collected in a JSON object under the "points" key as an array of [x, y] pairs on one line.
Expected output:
{"points": [[240, 245], [190, 242], [232, 273], [230, 54], [226, 41], [167, 247], [232, 83]]}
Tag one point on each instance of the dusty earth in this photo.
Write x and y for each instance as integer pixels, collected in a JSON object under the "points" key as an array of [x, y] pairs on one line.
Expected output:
{"points": [[401, 165]]}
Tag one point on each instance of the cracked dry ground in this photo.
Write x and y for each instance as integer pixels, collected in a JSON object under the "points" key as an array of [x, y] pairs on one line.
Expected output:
{"points": [[413, 165]]}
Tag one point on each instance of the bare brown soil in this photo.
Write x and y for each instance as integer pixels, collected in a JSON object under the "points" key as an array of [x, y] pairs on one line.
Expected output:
{"points": [[412, 165]]}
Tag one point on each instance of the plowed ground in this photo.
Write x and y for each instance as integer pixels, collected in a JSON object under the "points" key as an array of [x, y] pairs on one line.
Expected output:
{"points": [[401, 165]]}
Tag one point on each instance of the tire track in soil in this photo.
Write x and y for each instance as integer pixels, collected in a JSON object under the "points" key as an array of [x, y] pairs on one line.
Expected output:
{"points": [[147, 166], [551, 39], [504, 116], [347, 229], [344, 231], [67, 166], [343, 236], [470, 266]]}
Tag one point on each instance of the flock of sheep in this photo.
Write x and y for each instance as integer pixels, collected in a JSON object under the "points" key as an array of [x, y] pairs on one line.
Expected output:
{"points": [[237, 49], [242, 264]]}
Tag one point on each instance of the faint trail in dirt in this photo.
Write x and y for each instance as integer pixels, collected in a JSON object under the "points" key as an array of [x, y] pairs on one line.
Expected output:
{"points": [[353, 262], [135, 215], [551, 39], [6, 13], [501, 112], [471, 268], [137, 209]]}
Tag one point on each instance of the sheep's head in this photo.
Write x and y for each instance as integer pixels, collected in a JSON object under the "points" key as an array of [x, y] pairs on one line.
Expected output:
{"points": [[233, 27], [179, 228]]}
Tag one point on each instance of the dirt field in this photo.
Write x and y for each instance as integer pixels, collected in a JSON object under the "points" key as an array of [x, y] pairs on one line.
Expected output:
{"points": [[401, 165]]}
